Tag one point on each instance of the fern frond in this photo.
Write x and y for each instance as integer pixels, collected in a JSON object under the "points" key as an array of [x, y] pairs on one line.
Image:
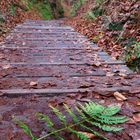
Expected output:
{"points": [[103, 114], [74, 117], [46, 119], [26, 129], [50, 124], [106, 127], [92, 108], [60, 115], [93, 132], [110, 111], [111, 119], [86, 115]]}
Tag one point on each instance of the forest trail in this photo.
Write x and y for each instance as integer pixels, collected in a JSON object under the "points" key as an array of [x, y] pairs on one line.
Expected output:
{"points": [[40, 60], [49, 59]]}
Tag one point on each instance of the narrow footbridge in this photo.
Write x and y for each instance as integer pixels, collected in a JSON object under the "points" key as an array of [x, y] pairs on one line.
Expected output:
{"points": [[49, 58]]}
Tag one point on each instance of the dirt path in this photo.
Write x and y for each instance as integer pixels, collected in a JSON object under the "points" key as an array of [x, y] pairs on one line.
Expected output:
{"points": [[43, 59]]}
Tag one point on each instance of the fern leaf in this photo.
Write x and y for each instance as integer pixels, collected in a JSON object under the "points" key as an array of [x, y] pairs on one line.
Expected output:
{"points": [[92, 108], [50, 124], [110, 111], [74, 117], [106, 127], [100, 113], [88, 128], [79, 134], [111, 120], [93, 132], [26, 129], [46, 119], [60, 115], [58, 137], [90, 113]]}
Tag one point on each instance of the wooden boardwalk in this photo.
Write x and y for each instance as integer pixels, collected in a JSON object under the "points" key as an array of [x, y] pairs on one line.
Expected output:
{"points": [[49, 59]]}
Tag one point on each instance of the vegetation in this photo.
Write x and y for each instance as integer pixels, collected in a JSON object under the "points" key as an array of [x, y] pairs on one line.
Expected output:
{"points": [[43, 8], [118, 26], [76, 5], [132, 55], [86, 116]]}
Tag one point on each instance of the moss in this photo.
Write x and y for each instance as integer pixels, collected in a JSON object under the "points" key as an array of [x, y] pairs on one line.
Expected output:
{"points": [[44, 10]]}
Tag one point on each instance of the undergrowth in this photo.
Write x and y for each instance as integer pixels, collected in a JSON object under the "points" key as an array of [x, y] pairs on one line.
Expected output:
{"points": [[43, 8], [83, 116], [76, 5], [132, 55]]}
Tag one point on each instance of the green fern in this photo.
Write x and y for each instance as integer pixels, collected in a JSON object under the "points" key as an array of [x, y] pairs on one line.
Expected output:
{"points": [[26, 129], [83, 116]]}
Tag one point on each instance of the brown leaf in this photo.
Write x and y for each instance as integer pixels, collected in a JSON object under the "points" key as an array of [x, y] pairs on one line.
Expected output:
{"points": [[109, 74], [122, 74], [1, 93], [6, 66], [138, 103], [33, 83], [119, 96], [136, 117], [89, 135], [96, 63]]}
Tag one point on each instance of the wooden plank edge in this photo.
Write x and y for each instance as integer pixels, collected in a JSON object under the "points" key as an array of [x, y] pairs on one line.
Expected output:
{"points": [[42, 92]]}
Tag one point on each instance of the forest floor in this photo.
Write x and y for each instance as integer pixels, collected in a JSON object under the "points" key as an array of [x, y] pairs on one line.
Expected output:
{"points": [[119, 43]]}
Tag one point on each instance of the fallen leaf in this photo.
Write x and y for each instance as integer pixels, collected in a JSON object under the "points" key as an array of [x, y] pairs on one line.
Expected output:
{"points": [[1, 56], [32, 83], [136, 117], [109, 74], [138, 103], [119, 96], [97, 64], [1, 93], [89, 135], [6, 66], [122, 74]]}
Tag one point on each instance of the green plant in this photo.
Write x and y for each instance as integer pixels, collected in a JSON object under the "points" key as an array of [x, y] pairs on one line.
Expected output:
{"points": [[92, 14], [116, 26], [99, 2], [76, 5], [132, 52], [12, 10], [44, 10], [86, 116]]}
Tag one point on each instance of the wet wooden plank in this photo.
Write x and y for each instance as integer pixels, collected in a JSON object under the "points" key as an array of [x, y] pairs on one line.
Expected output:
{"points": [[56, 92], [41, 64], [59, 64], [44, 32], [44, 27], [47, 39], [46, 48], [70, 75], [43, 92]]}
